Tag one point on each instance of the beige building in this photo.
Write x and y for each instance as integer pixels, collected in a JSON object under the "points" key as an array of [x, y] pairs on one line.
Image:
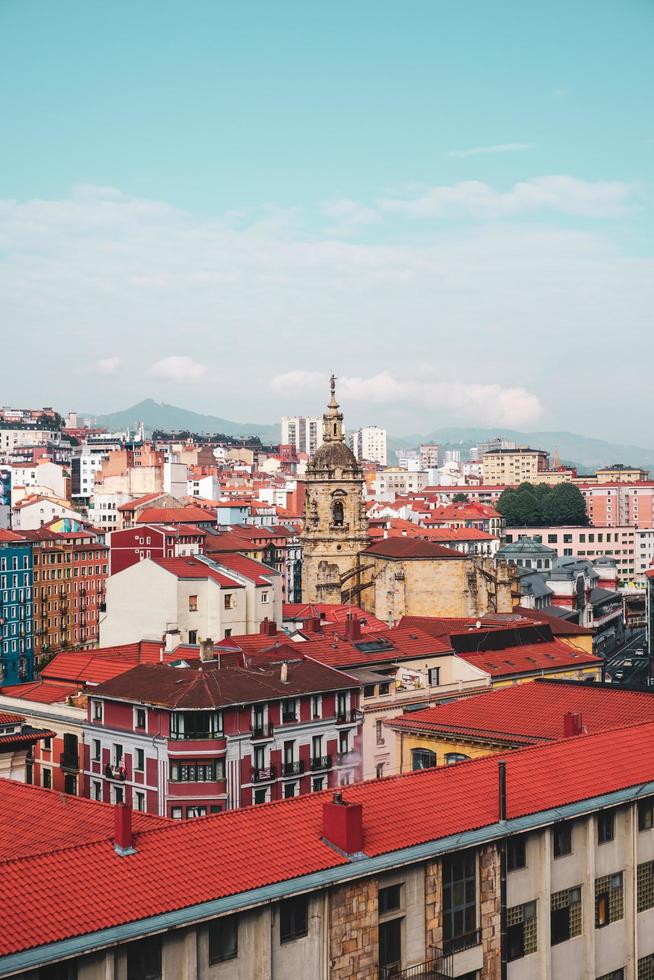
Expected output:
{"points": [[513, 466], [622, 474], [335, 526], [414, 577]]}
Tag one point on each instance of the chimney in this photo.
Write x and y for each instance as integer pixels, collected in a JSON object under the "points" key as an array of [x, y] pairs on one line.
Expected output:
{"points": [[572, 724], [171, 639], [268, 627], [342, 824], [313, 625], [206, 650], [283, 673], [352, 627], [123, 839]]}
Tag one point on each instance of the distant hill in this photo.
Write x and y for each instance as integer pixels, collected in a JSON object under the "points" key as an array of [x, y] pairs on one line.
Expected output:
{"points": [[588, 454], [158, 415]]}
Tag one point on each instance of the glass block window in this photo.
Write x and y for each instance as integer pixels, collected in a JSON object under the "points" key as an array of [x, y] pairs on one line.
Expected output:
{"points": [[566, 915], [609, 899], [646, 967], [645, 886], [522, 930]]}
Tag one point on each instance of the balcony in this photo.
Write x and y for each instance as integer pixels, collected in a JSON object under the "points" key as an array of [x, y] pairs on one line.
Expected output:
{"points": [[292, 768], [263, 775], [345, 758], [321, 762], [349, 716], [439, 968], [459, 943], [262, 730], [69, 761], [115, 772], [289, 717]]}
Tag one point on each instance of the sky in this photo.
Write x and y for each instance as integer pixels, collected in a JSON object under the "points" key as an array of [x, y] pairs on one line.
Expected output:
{"points": [[448, 203]]}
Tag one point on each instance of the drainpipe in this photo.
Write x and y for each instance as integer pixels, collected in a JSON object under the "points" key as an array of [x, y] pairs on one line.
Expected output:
{"points": [[502, 849]]}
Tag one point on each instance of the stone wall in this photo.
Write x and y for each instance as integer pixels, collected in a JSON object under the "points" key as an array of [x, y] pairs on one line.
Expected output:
{"points": [[353, 932], [433, 907], [489, 896]]}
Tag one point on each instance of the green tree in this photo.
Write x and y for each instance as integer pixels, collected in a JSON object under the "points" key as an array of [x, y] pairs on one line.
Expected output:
{"points": [[460, 498], [566, 505]]}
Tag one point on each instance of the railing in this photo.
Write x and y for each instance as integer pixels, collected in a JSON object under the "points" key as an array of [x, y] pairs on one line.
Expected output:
{"points": [[68, 761], [321, 762], [347, 717], [263, 775], [197, 736], [262, 730], [292, 768], [439, 968], [115, 772], [459, 943], [289, 717]]}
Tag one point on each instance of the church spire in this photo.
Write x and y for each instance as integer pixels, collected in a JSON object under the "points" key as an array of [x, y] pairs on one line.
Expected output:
{"points": [[332, 420]]}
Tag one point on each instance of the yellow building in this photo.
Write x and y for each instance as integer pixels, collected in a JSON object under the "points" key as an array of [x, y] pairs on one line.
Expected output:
{"points": [[513, 466], [622, 474]]}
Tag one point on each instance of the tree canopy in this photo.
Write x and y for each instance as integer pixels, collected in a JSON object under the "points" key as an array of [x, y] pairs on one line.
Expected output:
{"points": [[541, 505]]}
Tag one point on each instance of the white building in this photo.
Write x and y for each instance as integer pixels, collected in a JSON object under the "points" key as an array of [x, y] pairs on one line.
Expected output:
{"points": [[395, 482], [304, 433], [370, 443], [43, 473], [85, 463], [193, 598], [33, 512], [203, 487]]}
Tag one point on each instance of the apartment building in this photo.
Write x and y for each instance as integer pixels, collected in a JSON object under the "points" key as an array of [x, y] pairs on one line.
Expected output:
{"points": [[230, 731], [303, 433], [620, 543], [538, 865], [512, 466], [370, 444], [619, 504], [396, 482], [133, 544], [16, 609]]}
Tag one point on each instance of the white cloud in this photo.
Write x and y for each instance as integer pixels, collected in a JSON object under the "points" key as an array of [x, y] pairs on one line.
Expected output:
{"points": [[348, 215], [476, 151], [181, 369], [107, 366], [492, 403], [558, 193]]}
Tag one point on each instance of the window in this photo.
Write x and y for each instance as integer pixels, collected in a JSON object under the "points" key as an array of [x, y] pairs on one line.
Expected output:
{"points": [[316, 706], [646, 814], [118, 753], [522, 931], [260, 795], [139, 721], [516, 853], [176, 813], [289, 790], [451, 758], [552, 538], [385, 688], [389, 899], [565, 915], [605, 826], [459, 898], [317, 784], [139, 802], [369, 691], [196, 724], [379, 732], [119, 796], [379, 770], [223, 939], [229, 600], [97, 711], [264, 596], [46, 778], [193, 636], [645, 886], [197, 772], [562, 839], [615, 975], [293, 918], [434, 676], [97, 790], [609, 900], [192, 603], [139, 760], [646, 967], [422, 759], [144, 959], [567, 539]]}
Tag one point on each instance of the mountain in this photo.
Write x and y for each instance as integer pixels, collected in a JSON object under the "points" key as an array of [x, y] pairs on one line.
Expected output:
{"points": [[588, 454], [158, 415]]}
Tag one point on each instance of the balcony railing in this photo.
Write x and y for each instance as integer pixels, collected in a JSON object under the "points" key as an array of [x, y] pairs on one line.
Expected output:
{"points": [[321, 762], [292, 768], [459, 943], [115, 772], [262, 730], [263, 775], [68, 761], [289, 717], [197, 736], [439, 968], [347, 716]]}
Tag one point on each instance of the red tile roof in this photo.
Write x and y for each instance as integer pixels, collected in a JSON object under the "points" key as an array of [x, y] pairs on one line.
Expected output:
{"points": [[40, 692], [256, 571], [138, 502], [7, 536], [330, 615], [44, 820], [559, 626], [384, 646], [229, 541], [408, 548], [173, 515], [191, 567], [529, 713], [8, 718], [530, 658], [196, 861]]}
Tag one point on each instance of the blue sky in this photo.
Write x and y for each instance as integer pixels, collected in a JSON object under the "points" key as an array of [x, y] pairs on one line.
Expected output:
{"points": [[448, 203]]}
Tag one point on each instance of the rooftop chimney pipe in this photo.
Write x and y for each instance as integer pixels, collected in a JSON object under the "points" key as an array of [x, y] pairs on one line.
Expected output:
{"points": [[342, 824], [207, 650], [123, 838], [283, 674], [572, 724], [352, 627], [313, 625], [268, 627]]}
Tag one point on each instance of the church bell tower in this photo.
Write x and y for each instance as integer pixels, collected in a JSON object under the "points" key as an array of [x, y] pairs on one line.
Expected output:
{"points": [[335, 528]]}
